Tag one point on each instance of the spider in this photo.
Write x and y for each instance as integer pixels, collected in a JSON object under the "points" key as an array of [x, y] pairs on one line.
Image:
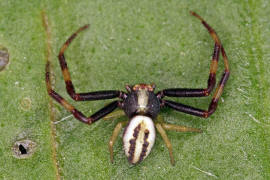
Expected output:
{"points": [[141, 104]]}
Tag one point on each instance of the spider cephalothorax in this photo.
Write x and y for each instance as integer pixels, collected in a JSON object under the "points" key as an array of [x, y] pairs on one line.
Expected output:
{"points": [[141, 100], [141, 105]]}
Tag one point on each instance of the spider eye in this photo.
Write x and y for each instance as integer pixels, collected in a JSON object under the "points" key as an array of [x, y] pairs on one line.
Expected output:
{"points": [[148, 87]]}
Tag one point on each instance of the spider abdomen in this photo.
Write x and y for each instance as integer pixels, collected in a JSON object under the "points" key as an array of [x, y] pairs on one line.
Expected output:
{"points": [[139, 138]]}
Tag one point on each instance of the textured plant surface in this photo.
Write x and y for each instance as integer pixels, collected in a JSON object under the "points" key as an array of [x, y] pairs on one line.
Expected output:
{"points": [[134, 42]]}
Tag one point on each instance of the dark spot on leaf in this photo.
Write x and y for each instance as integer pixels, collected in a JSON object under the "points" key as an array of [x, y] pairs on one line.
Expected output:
{"points": [[4, 57], [23, 148]]}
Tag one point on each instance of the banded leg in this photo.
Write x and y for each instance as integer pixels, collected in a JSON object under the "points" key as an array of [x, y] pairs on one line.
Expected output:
{"points": [[195, 111], [114, 136], [213, 105], [77, 114], [187, 92], [98, 95]]}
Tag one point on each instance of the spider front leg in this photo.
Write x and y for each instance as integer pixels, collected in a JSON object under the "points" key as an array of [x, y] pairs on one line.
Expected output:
{"points": [[188, 92], [98, 95], [77, 114], [213, 105], [178, 92]]}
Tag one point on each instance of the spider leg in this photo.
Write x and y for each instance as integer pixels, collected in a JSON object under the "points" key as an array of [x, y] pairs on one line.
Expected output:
{"points": [[165, 138], [179, 128], [176, 127], [199, 112], [213, 105], [161, 127], [187, 92], [114, 136], [115, 114], [98, 95], [77, 114]]}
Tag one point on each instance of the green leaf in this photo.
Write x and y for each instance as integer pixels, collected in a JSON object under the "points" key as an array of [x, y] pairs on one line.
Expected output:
{"points": [[133, 42]]}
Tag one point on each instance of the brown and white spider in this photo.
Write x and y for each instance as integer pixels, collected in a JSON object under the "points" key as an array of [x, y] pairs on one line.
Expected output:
{"points": [[141, 104]]}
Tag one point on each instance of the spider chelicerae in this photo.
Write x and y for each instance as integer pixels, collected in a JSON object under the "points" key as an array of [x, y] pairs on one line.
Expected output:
{"points": [[141, 104]]}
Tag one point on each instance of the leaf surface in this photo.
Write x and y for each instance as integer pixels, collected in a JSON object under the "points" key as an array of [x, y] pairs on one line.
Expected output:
{"points": [[133, 42]]}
